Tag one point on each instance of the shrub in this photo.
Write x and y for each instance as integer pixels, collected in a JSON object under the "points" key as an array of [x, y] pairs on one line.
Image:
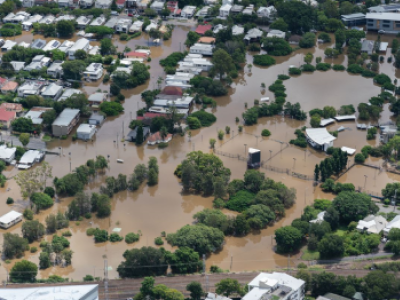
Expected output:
{"points": [[283, 77], [355, 69], [66, 233], [88, 278], [205, 118], [28, 214], [115, 237], [301, 266], [219, 203], [323, 67], [131, 238], [339, 68], [359, 158], [158, 241], [33, 249], [100, 236], [294, 71], [265, 132], [50, 191], [240, 201], [307, 68], [368, 73], [10, 200], [263, 60], [90, 231], [88, 215], [162, 145]]}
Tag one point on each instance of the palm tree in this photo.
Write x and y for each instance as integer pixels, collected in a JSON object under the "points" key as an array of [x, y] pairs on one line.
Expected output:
{"points": [[163, 132]]}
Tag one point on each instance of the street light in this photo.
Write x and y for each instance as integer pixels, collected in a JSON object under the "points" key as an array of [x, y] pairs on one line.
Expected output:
{"points": [[270, 154], [245, 149], [365, 182], [294, 162]]}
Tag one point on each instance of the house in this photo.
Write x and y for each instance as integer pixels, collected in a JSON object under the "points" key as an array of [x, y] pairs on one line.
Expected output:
{"points": [[93, 72], [150, 27], [201, 29], [38, 62], [6, 221], [218, 28], [202, 63], [206, 40], [94, 50], [17, 65], [96, 119], [203, 12], [188, 11], [135, 54], [157, 6], [276, 33], [8, 45], [211, 2], [237, 30], [85, 132], [141, 5], [395, 223], [81, 44], [123, 25], [372, 224], [136, 27], [224, 10], [81, 292], [24, 44], [188, 67], [156, 138], [9, 87], [27, 25], [29, 158], [164, 111], [294, 39], [248, 10], [331, 296], [55, 70], [86, 3], [98, 21], [30, 88], [68, 93], [179, 77], [252, 35], [266, 12], [111, 22], [83, 21], [97, 98], [388, 21], [171, 91], [6, 117], [203, 49], [65, 122], [63, 3], [7, 154], [367, 47], [184, 102], [213, 296], [120, 4], [320, 218], [319, 138], [52, 92], [236, 9], [28, 3], [104, 4], [131, 137], [65, 18], [17, 18], [66, 45], [275, 286], [353, 19], [38, 44], [12, 107], [49, 19], [35, 114]]}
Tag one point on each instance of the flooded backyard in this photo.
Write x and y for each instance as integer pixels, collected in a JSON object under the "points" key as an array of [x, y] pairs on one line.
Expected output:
{"points": [[164, 207]]}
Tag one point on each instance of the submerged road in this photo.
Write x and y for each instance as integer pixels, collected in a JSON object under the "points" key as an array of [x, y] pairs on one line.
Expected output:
{"points": [[121, 289]]}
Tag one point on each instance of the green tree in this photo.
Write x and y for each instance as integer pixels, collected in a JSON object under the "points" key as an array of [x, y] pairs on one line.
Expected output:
{"points": [[340, 38], [80, 54], [331, 246], [223, 63], [332, 217], [73, 69], [65, 28], [298, 16], [192, 38], [44, 260], [229, 287], [380, 285], [23, 125], [288, 239], [261, 213], [24, 138], [106, 46], [353, 206], [196, 290], [184, 260], [139, 135], [308, 58], [32, 230], [315, 121], [114, 5], [279, 24], [14, 245], [41, 200], [23, 271], [308, 40]]}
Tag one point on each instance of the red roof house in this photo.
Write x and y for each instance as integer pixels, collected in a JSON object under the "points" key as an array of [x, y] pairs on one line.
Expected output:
{"points": [[173, 4], [2, 81], [6, 117], [135, 54], [12, 107], [172, 90], [120, 3], [201, 29], [156, 138]]}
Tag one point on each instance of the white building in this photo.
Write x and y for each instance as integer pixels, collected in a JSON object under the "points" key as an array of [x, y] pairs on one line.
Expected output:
{"points": [[203, 49], [276, 33], [279, 286], [29, 158], [104, 4], [252, 35], [204, 11], [38, 62], [320, 218], [83, 21], [217, 28], [81, 44], [17, 65], [27, 3], [6, 221], [86, 3], [224, 10], [181, 103], [94, 71], [395, 223], [237, 30], [123, 25], [188, 11], [248, 10], [8, 45], [319, 138], [66, 45], [27, 25], [157, 6], [85, 132], [19, 17], [98, 21], [52, 45], [150, 27], [136, 27], [65, 18], [49, 19], [372, 224], [68, 93], [212, 296], [266, 12], [179, 77], [70, 292], [55, 70], [29, 88], [7, 154], [52, 92]]}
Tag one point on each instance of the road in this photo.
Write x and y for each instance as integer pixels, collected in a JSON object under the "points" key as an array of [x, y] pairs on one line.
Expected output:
{"points": [[126, 288]]}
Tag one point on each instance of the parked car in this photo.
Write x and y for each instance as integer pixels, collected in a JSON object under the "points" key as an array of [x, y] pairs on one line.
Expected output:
{"points": [[114, 13]]}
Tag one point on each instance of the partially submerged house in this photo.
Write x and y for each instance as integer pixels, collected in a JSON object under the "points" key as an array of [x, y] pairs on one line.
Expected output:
{"points": [[81, 44], [65, 122], [93, 72], [7, 154], [55, 70], [52, 45], [156, 138], [372, 224], [30, 158], [52, 92], [9, 219], [96, 119], [131, 137], [97, 98], [203, 49], [68, 93], [30, 87], [85, 132]]}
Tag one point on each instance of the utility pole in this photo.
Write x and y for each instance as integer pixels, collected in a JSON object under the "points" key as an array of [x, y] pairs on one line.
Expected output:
{"points": [[230, 268], [106, 279], [288, 264], [123, 133]]}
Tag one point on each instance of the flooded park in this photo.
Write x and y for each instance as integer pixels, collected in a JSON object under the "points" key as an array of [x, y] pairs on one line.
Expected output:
{"points": [[164, 207]]}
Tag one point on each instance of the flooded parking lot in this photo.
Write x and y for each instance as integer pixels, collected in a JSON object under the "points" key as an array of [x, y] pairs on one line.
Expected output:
{"points": [[164, 207]]}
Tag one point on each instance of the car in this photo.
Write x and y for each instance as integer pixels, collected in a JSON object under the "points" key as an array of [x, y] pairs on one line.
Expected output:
{"points": [[381, 31], [114, 13]]}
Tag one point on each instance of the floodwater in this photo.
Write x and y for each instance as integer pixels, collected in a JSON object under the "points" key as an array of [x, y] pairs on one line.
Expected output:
{"points": [[164, 207]]}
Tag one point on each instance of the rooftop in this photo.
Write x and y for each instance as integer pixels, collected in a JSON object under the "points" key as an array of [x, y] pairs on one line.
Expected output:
{"points": [[52, 90], [85, 128], [30, 156], [385, 16], [66, 117], [7, 218], [6, 153], [6, 115], [96, 97], [320, 136]]}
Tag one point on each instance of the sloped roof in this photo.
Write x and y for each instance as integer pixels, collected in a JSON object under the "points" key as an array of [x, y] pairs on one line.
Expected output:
{"points": [[201, 29]]}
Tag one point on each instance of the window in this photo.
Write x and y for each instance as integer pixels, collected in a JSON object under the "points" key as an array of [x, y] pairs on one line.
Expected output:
{"points": [[385, 26]]}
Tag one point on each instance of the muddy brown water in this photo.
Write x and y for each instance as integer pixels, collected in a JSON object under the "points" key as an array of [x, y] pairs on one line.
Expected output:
{"points": [[164, 207]]}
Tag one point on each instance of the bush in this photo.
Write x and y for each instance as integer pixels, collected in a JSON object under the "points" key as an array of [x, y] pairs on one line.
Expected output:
{"points": [[131, 238], [115, 237], [359, 158], [50, 191], [67, 233], [355, 69], [28, 214], [33, 249], [339, 68], [10, 200], [162, 145], [100, 236], [88, 278], [323, 67], [283, 77], [294, 71], [307, 68], [265, 132], [205, 118], [219, 203], [88, 215], [241, 201], [41, 200], [301, 266], [263, 60], [90, 231], [158, 241], [368, 73]]}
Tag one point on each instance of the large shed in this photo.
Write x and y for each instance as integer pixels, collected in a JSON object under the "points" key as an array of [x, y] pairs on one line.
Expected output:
{"points": [[320, 138], [85, 132], [9, 219]]}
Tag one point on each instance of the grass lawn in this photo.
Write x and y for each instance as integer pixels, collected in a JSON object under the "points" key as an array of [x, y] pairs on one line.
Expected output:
{"points": [[340, 232], [46, 138], [310, 255]]}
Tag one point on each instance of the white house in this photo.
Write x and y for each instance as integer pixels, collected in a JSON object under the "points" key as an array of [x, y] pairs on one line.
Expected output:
{"points": [[66, 45], [81, 44], [52, 45], [188, 11], [275, 286], [237, 30], [372, 224], [157, 6], [253, 34], [98, 21], [17, 65], [27, 25], [248, 10], [49, 19], [38, 44], [28, 3], [150, 27], [38, 62], [68, 93], [6, 221], [136, 26], [7, 154], [276, 33], [319, 138], [266, 12], [224, 10], [8, 45], [123, 25], [204, 49], [65, 18], [71, 292], [212, 296], [320, 218], [55, 70], [217, 28], [83, 21], [86, 3], [104, 4], [52, 92], [29, 88], [19, 17], [395, 223], [29, 158], [85, 132], [94, 71], [204, 11]]}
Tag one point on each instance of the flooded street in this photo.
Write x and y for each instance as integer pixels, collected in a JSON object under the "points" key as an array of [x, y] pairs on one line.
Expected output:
{"points": [[163, 207]]}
